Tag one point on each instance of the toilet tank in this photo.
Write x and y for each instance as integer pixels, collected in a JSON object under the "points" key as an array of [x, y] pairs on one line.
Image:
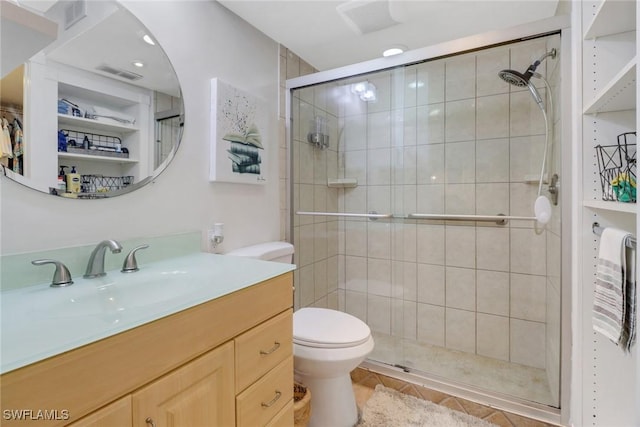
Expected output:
{"points": [[270, 251]]}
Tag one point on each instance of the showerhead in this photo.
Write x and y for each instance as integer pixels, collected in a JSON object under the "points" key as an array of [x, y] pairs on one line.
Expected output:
{"points": [[515, 78], [522, 79], [518, 79]]}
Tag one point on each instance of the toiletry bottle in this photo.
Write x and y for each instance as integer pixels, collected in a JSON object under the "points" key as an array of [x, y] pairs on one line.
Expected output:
{"points": [[62, 185], [73, 181]]}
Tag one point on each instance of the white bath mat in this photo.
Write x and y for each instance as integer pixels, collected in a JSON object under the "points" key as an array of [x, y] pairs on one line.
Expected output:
{"points": [[387, 407]]}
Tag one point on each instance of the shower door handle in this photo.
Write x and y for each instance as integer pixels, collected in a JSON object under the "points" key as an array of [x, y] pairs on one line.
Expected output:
{"points": [[371, 215]]}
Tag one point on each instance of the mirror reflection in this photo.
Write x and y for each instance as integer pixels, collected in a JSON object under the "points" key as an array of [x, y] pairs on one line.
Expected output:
{"points": [[96, 113]]}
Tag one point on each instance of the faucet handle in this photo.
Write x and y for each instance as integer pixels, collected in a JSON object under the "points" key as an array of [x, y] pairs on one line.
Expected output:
{"points": [[61, 277], [130, 264]]}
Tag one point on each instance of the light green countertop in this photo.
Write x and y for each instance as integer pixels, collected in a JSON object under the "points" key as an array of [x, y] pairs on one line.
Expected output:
{"points": [[40, 321]]}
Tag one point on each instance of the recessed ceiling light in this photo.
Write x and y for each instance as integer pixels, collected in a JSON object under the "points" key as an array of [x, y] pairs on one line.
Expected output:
{"points": [[394, 50], [147, 38], [138, 64]]}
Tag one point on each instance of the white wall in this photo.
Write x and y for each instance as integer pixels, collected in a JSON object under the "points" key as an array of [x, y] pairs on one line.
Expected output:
{"points": [[203, 40]]}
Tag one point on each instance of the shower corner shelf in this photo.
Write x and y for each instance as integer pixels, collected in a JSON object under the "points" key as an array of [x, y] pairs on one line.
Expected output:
{"points": [[342, 183]]}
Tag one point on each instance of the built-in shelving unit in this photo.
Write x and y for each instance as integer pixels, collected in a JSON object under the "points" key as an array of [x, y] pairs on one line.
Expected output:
{"points": [[105, 135], [612, 17], [610, 206], [65, 119], [619, 94], [609, 93], [106, 159]]}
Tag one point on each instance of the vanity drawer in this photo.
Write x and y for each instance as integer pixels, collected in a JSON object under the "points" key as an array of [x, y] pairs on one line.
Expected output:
{"points": [[262, 401], [263, 347], [284, 418]]}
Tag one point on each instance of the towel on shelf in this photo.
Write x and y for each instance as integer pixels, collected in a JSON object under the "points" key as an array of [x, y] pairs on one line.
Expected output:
{"points": [[614, 294], [97, 113]]}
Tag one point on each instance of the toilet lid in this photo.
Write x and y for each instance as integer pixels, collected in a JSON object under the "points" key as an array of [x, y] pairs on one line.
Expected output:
{"points": [[322, 327]]}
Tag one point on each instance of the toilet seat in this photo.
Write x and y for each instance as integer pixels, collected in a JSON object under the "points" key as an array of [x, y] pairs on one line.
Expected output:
{"points": [[326, 328]]}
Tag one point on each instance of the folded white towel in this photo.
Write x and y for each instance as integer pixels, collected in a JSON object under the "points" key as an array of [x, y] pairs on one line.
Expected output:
{"points": [[612, 315]]}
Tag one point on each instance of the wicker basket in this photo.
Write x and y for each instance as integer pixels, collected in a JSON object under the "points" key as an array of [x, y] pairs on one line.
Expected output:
{"points": [[301, 405]]}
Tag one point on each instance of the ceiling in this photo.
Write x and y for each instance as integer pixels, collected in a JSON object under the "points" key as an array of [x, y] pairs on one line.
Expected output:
{"points": [[317, 32], [116, 42], [112, 37]]}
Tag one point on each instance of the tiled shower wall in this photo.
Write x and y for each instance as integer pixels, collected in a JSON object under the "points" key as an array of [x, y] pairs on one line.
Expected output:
{"points": [[290, 66], [446, 136], [315, 238]]}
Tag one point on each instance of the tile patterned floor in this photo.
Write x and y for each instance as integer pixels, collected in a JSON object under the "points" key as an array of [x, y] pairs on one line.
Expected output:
{"points": [[364, 382]]}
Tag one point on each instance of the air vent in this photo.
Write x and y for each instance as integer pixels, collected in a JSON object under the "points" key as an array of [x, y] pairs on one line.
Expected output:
{"points": [[118, 72], [75, 11], [367, 16]]}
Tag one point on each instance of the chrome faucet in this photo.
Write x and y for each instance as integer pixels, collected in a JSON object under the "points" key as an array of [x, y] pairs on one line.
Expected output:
{"points": [[95, 267]]}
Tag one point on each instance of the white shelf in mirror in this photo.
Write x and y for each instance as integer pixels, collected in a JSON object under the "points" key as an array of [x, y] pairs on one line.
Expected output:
{"points": [[612, 17], [106, 159], [611, 206], [619, 94], [65, 119]]}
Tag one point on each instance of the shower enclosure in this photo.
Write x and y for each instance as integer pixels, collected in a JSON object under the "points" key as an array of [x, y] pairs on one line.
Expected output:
{"points": [[397, 177]]}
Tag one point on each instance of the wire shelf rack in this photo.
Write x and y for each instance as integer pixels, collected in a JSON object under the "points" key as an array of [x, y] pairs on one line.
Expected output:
{"points": [[617, 169]]}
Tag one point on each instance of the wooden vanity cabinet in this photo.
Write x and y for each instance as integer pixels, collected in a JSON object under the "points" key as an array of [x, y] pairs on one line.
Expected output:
{"points": [[117, 413], [225, 362]]}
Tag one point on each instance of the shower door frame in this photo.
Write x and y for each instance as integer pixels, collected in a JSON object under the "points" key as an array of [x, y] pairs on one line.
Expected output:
{"points": [[570, 170]]}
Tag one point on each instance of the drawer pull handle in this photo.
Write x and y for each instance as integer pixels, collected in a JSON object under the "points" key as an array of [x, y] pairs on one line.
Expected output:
{"points": [[274, 400], [150, 422], [276, 345]]}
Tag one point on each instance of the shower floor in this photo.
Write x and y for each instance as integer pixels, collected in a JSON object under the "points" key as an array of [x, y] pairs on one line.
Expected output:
{"points": [[494, 375]]}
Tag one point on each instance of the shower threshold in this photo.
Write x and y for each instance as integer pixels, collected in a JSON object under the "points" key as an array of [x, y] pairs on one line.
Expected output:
{"points": [[516, 388]]}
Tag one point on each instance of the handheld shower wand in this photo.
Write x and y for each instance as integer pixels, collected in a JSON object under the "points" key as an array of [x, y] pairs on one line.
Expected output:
{"points": [[542, 206]]}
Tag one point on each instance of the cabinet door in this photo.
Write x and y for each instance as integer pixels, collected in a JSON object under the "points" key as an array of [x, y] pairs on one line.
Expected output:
{"points": [[198, 394], [117, 413]]}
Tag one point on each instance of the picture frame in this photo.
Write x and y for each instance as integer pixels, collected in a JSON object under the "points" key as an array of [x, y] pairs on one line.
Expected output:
{"points": [[239, 124]]}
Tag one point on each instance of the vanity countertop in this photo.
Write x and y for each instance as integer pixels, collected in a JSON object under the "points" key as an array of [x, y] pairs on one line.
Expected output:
{"points": [[40, 321]]}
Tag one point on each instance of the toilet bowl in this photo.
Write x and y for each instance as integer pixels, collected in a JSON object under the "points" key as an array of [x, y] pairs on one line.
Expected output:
{"points": [[327, 346]]}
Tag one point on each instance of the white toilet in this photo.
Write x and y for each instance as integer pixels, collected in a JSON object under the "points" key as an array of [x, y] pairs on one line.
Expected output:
{"points": [[327, 346]]}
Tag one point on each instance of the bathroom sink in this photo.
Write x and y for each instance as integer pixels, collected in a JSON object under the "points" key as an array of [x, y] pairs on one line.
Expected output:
{"points": [[111, 296], [40, 321]]}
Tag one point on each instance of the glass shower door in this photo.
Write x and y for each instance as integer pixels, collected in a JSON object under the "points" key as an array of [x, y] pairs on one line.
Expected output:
{"points": [[475, 303]]}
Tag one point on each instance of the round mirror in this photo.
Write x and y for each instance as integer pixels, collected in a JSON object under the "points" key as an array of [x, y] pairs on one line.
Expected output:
{"points": [[97, 112]]}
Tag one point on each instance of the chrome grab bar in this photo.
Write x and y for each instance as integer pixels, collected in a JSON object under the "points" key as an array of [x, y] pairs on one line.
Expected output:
{"points": [[498, 219], [372, 215], [631, 242]]}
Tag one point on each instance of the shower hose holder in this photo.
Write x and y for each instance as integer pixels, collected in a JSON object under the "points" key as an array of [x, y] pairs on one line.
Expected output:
{"points": [[320, 140]]}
